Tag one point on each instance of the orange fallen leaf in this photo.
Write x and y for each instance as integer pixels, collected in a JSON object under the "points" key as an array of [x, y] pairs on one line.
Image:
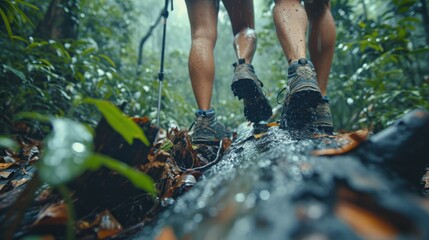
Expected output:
{"points": [[104, 225], [257, 136], [167, 233], [273, 124], [354, 139], [44, 195], [55, 214], [365, 223], [108, 224], [4, 166]]}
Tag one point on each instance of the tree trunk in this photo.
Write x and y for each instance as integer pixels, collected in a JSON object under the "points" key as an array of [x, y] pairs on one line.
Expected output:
{"points": [[60, 21]]}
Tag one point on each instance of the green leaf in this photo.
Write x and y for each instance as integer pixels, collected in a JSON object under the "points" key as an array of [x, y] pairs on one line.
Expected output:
{"points": [[20, 13], [139, 179], [118, 121], [28, 4], [88, 51], [105, 57], [32, 115], [6, 23], [16, 72], [7, 142], [67, 149], [167, 145], [20, 39]]}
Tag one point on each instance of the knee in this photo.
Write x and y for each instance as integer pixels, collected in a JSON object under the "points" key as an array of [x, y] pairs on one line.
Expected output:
{"points": [[204, 38]]}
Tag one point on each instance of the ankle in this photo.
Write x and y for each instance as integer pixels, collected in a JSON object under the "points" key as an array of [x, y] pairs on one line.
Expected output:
{"points": [[205, 113], [325, 99], [293, 66]]}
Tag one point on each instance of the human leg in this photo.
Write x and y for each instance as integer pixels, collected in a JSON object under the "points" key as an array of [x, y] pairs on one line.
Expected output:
{"points": [[203, 20], [321, 41], [241, 14], [291, 22], [245, 84], [321, 44], [290, 19]]}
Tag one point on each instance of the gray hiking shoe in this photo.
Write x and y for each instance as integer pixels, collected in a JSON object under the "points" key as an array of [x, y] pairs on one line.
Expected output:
{"points": [[303, 93], [322, 118], [206, 129], [246, 85]]}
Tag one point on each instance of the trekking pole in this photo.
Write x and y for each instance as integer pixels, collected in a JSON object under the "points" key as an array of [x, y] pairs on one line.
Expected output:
{"points": [[161, 71]]}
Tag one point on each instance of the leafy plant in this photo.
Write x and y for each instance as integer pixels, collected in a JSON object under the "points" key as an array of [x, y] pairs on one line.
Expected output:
{"points": [[11, 14]]}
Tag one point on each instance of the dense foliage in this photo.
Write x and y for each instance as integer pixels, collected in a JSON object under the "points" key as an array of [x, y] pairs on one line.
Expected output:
{"points": [[57, 77], [379, 71]]}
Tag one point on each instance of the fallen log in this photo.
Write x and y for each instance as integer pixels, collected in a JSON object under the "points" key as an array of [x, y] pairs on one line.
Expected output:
{"points": [[273, 187], [267, 183]]}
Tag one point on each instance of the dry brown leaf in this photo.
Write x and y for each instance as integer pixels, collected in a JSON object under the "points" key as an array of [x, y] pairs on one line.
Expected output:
{"points": [[167, 233], [354, 139], [257, 136], [44, 195], [365, 223], [226, 143], [5, 174], [336, 151], [104, 225], [4, 166], [108, 225], [55, 214], [17, 183], [273, 124]]}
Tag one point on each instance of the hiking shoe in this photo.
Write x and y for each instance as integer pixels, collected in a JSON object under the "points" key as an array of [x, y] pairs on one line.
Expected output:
{"points": [[206, 129], [303, 93], [322, 118], [246, 85]]}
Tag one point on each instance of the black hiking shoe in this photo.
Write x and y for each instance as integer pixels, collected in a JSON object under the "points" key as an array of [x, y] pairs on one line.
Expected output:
{"points": [[246, 85], [206, 129], [303, 93], [322, 118]]}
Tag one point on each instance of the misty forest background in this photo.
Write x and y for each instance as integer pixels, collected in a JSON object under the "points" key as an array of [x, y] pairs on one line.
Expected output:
{"points": [[380, 69]]}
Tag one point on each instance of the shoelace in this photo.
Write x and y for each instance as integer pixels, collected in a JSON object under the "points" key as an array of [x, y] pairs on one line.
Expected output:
{"points": [[292, 76], [201, 124], [278, 95]]}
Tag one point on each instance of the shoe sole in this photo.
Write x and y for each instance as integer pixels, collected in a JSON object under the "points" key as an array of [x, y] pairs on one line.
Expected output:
{"points": [[298, 114], [257, 107]]}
